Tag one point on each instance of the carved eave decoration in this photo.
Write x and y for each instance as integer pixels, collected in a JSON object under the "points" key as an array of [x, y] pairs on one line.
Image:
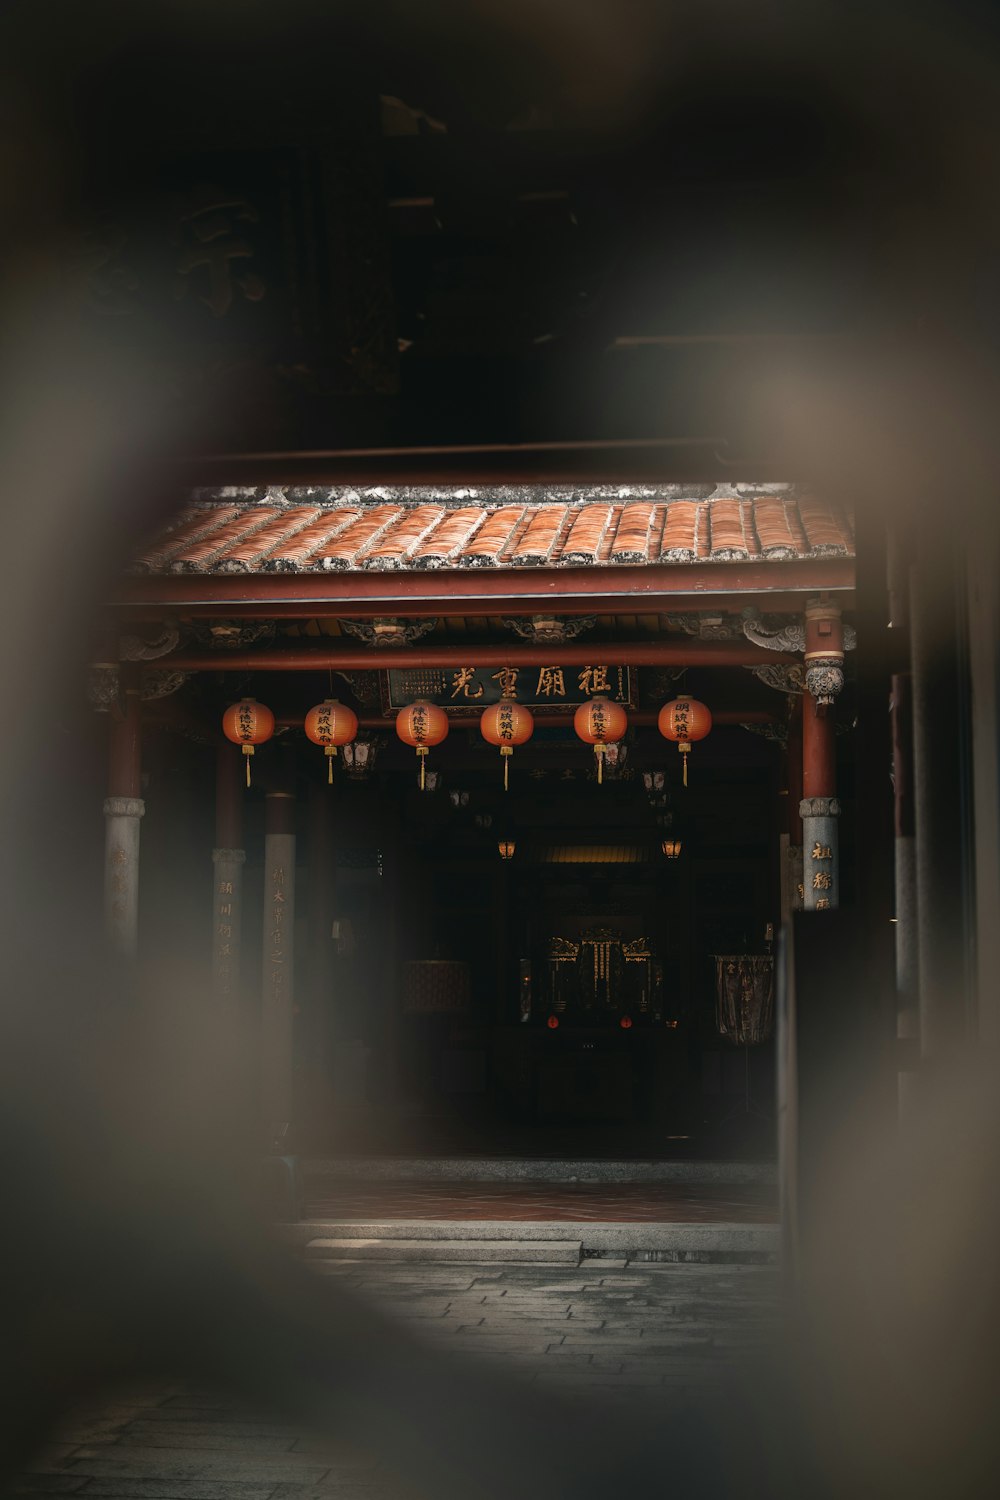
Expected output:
{"points": [[706, 627], [385, 630], [551, 630], [784, 679], [234, 635]]}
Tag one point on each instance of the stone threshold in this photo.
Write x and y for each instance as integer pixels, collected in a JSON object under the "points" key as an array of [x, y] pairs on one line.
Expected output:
{"points": [[466, 1238], [531, 1169]]}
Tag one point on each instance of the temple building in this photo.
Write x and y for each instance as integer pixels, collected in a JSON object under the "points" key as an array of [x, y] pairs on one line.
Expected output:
{"points": [[538, 911]]}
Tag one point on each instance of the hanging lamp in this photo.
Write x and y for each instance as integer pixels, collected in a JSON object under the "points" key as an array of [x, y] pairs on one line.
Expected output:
{"points": [[600, 722], [422, 725], [506, 724], [248, 723], [331, 724], [684, 720]]}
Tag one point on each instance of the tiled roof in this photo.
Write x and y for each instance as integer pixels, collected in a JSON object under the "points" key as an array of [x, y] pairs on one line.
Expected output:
{"points": [[312, 531]]}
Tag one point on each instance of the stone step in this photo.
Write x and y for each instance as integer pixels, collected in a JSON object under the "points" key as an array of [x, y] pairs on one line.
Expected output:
{"points": [[481, 1251], [469, 1239], [535, 1169]]}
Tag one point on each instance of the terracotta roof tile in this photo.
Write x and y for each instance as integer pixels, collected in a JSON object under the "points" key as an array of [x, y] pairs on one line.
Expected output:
{"points": [[491, 539], [369, 524], [194, 522], [449, 537], [400, 540], [303, 548], [213, 545], [273, 535], [246, 555], [826, 532], [631, 541], [586, 533], [535, 545], [725, 519], [680, 532], [774, 528]]}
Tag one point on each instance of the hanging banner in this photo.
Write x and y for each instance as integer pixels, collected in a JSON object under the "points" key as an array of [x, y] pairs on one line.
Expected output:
{"points": [[466, 691]]}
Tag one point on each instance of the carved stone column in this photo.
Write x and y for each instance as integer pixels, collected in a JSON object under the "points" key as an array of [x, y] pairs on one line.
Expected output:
{"points": [[123, 809], [228, 859], [121, 872], [227, 924], [278, 960], [820, 853], [819, 808]]}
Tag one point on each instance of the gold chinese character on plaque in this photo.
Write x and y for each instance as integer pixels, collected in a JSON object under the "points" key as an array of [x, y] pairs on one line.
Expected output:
{"points": [[507, 679], [462, 682], [594, 680], [822, 880], [821, 851], [551, 683]]}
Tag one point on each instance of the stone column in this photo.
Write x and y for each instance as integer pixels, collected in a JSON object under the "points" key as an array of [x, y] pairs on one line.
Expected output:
{"points": [[228, 859], [315, 987], [820, 853], [123, 808], [819, 808], [792, 888], [278, 965]]}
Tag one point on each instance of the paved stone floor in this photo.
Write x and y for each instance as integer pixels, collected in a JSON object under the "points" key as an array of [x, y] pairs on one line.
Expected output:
{"points": [[620, 1333], [584, 1202]]}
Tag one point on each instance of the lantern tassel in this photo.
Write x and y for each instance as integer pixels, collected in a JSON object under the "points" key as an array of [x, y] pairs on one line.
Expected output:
{"points": [[247, 752], [600, 764], [685, 770], [329, 770]]}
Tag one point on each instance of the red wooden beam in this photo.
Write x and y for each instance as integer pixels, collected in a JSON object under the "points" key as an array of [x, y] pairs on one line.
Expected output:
{"points": [[639, 589], [339, 657], [637, 719]]}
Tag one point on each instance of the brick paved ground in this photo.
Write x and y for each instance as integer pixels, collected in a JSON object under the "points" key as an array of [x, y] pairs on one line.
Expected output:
{"points": [[618, 1333]]}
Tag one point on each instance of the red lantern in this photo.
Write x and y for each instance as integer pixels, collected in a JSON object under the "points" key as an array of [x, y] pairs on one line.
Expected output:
{"points": [[248, 723], [331, 724], [600, 722], [684, 720], [422, 725], [506, 724]]}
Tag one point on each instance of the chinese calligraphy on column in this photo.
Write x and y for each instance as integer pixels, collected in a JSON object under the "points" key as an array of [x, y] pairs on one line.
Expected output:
{"points": [[276, 935]]}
